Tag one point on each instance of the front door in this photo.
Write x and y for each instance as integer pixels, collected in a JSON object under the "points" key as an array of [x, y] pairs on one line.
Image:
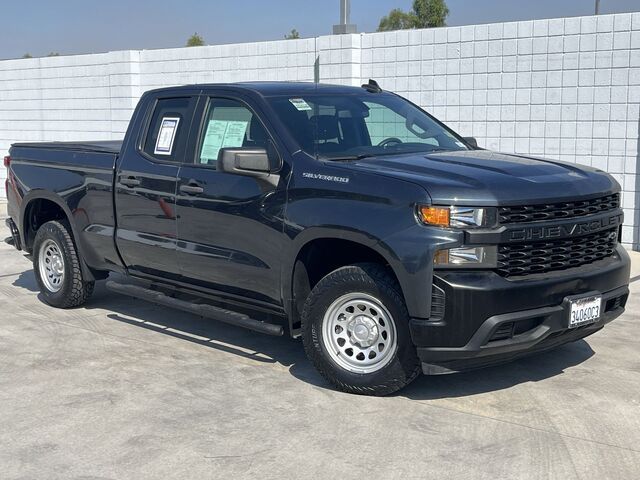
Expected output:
{"points": [[145, 190], [230, 226]]}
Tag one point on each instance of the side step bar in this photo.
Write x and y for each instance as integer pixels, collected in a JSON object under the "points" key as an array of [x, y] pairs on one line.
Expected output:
{"points": [[207, 311]]}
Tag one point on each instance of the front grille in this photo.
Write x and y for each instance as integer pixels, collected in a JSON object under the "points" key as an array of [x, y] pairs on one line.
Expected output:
{"points": [[546, 256], [553, 211]]}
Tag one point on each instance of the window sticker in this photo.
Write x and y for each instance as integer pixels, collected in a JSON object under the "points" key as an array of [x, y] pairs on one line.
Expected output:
{"points": [[222, 134], [300, 104], [166, 136]]}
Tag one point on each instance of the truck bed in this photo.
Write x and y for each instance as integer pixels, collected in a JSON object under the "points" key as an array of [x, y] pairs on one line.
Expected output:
{"points": [[99, 146], [79, 177]]}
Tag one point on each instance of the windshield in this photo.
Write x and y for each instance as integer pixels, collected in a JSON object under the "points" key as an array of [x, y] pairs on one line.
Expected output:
{"points": [[345, 126]]}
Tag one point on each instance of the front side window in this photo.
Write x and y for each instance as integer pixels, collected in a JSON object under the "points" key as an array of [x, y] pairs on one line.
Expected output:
{"points": [[168, 129], [361, 124], [229, 124]]}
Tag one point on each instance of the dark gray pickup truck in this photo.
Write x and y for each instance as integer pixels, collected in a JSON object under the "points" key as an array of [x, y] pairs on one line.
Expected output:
{"points": [[346, 216]]}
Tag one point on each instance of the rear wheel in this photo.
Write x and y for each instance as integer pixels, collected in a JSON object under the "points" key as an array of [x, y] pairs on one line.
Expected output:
{"points": [[355, 331], [57, 267]]}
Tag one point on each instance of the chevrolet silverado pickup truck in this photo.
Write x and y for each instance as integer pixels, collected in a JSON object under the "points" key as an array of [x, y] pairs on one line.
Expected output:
{"points": [[346, 216]]}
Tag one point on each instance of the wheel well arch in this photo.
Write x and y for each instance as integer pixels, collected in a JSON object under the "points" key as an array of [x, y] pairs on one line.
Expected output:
{"points": [[321, 256], [37, 212], [41, 208]]}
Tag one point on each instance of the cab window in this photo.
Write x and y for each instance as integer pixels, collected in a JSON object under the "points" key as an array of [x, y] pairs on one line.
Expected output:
{"points": [[383, 123], [229, 124], [342, 126], [169, 128]]}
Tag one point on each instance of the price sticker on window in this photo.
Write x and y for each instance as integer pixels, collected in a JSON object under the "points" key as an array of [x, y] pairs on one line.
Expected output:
{"points": [[166, 136]]}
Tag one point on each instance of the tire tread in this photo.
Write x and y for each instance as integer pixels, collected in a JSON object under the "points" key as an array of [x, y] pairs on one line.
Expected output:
{"points": [[365, 272], [80, 290]]}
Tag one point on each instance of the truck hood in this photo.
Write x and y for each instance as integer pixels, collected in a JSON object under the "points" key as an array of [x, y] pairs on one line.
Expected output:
{"points": [[484, 178]]}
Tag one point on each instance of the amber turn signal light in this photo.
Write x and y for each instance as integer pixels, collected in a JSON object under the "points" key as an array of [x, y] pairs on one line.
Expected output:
{"points": [[438, 216]]}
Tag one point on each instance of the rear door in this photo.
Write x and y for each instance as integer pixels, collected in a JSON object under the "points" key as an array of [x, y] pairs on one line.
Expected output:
{"points": [[146, 180], [230, 227]]}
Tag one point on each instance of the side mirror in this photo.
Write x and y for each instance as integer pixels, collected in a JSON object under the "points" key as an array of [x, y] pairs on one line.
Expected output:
{"points": [[471, 141], [245, 161]]}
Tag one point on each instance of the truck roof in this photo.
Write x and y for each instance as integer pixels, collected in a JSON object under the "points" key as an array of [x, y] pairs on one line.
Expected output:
{"points": [[272, 88], [264, 89]]}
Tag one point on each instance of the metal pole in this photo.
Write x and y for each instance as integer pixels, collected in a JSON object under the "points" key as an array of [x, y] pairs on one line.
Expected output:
{"points": [[345, 18], [345, 12], [597, 7]]}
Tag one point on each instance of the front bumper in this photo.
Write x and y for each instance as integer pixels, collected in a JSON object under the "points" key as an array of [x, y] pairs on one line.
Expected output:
{"points": [[489, 319]]}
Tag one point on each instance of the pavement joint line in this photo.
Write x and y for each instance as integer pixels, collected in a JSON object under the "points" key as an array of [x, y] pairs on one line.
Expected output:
{"points": [[106, 334], [11, 274], [86, 315], [453, 410], [529, 427]]}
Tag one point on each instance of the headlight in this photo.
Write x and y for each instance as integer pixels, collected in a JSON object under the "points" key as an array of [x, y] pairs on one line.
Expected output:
{"points": [[467, 257], [457, 217]]}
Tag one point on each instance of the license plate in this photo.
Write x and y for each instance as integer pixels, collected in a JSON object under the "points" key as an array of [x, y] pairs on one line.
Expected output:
{"points": [[585, 311]]}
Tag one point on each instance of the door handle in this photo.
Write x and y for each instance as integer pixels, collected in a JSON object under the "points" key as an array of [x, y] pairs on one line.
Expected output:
{"points": [[191, 189], [129, 181]]}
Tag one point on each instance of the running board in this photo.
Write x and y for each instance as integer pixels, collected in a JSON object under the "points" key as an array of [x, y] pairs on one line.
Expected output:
{"points": [[207, 311]]}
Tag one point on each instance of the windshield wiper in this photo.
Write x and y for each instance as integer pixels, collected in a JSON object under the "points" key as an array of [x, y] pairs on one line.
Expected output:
{"points": [[436, 150], [349, 158]]}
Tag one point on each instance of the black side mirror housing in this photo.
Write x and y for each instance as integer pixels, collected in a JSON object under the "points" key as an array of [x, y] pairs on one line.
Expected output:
{"points": [[471, 141], [245, 161]]}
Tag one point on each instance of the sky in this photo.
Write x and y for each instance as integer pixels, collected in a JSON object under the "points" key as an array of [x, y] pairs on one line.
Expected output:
{"points": [[85, 26]]}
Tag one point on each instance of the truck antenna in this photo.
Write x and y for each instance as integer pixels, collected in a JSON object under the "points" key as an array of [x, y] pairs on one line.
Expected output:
{"points": [[372, 86]]}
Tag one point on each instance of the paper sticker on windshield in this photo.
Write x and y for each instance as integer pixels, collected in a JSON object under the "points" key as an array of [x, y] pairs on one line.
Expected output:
{"points": [[300, 104], [166, 136]]}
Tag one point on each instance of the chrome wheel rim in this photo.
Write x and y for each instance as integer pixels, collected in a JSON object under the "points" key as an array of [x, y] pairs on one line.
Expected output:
{"points": [[359, 333], [51, 266]]}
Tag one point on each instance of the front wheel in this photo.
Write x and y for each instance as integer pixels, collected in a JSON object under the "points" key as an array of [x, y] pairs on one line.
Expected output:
{"points": [[57, 267], [355, 331]]}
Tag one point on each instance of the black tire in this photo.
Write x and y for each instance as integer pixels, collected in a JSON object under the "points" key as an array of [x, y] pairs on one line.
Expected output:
{"points": [[374, 280], [74, 290]]}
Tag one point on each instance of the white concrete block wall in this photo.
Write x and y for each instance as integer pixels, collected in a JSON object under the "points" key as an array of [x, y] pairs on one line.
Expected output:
{"points": [[339, 59], [83, 97], [279, 60], [565, 88]]}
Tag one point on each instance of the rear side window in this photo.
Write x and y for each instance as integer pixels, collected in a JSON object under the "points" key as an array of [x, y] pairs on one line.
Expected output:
{"points": [[169, 128], [229, 124]]}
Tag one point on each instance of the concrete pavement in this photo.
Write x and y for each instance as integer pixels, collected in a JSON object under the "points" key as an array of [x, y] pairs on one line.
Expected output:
{"points": [[122, 389]]}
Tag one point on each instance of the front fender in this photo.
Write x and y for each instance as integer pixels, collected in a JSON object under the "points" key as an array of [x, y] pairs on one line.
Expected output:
{"points": [[333, 200], [410, 254]]}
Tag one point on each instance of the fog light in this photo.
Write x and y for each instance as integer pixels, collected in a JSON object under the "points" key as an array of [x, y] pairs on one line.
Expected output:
{"points": [[467, 257]]}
